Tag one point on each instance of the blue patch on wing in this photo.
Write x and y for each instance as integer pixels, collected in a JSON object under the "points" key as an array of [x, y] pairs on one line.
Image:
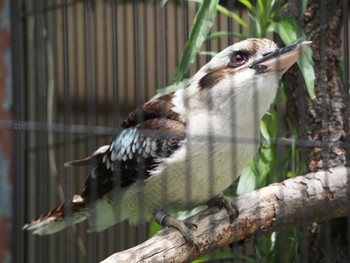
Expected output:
{"points": [[133, 147]]}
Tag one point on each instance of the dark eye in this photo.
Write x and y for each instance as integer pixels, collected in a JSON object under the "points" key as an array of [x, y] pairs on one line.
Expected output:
{"points": [[237, 59]]}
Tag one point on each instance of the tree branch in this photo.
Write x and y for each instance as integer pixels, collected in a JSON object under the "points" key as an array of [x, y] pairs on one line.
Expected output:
{"points": [[304, 199]]}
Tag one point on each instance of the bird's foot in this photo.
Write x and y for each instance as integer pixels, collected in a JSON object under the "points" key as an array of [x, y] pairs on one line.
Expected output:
{"points": [[231, 208], [185, 228]]}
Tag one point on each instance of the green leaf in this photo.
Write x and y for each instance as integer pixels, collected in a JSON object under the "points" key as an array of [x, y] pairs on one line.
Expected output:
{"points": [[229, 14], [224, 34], [234, 16], [171, 88], [201, 26], [216, 256], [264, 130], [154, 228], [247, 4], [306, 66], [182, 215], [290, 33], [264, 161], [163, 2], [207, 53], [268, 125], [303, 6], [262, 8], [247, 180], [288, 30]]}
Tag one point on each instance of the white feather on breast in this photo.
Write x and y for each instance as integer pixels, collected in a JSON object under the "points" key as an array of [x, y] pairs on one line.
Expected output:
{"points": [[217, 148]]}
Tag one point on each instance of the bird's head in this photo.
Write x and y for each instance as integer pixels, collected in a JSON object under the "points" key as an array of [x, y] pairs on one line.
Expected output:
{"points": [[247, 72]]}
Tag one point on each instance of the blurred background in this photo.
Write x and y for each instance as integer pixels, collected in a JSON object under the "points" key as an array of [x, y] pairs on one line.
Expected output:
{"points": [[70, 71]]}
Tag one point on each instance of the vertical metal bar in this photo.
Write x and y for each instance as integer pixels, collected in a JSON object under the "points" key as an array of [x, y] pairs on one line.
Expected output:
{"points": [[115, 99], [19, 247], [41, 99], [304, 242], [156, 43], [81, 252], [145, 44], [346, 49], [137, 53], [230, 22], [210, 140], [325, 116], [68, 248], [186, 27], [106, 98], [32, 100], [90, 55], [75, 94], [96, 94], [125, 24], [36, 135], [218, 22], [166, 44], [116, 109], [138, 94], [106, 64], [232, 112], [56, 249], [346, 99], [188, 166]]}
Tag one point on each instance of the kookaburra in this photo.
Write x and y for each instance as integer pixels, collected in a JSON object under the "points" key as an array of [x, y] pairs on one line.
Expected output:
{"points": [[182, 149]]}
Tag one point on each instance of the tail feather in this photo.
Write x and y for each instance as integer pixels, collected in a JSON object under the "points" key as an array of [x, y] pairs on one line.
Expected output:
{"points": [[90, 160], [67, 214]]}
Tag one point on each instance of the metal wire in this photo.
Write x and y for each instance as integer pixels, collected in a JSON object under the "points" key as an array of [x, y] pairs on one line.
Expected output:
{"points": [[99, 76]]}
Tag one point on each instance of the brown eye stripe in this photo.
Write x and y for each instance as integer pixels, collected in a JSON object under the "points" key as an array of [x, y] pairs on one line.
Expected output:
{"points": [[212, 78]]}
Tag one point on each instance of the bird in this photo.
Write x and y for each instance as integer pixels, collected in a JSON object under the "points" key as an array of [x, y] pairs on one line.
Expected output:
{"points": [[182, 149]]}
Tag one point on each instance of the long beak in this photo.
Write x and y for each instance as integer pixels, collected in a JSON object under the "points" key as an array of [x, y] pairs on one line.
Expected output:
{"points": [[281, 59]]}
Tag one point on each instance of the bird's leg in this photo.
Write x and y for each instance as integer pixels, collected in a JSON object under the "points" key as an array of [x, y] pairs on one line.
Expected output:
{"points": [[231, 208], [185, 228]]}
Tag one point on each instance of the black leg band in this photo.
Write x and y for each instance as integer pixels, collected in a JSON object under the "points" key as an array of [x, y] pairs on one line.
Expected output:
{"points": [[160, 216]]}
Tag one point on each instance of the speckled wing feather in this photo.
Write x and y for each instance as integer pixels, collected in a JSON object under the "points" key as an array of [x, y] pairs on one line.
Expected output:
{"points": [[132, 154], [151, 132]]}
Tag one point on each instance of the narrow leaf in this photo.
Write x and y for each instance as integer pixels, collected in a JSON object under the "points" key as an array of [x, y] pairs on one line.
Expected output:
{"points": [[224, 34], [247, 4], [163, 2], [303, 6], [154, 228], [171, 88], [201, 26], [233, 15], [290, 33], [247, 180], [207, 53], [229, 14], [306, 66], [217, 256]]}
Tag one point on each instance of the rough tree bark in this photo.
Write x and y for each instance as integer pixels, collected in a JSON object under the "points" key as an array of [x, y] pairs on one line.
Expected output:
{"points": [[276, 207], [323, 120]]}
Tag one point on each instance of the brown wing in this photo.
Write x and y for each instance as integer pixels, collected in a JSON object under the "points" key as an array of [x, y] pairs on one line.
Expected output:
{"points": [[91, 159], [152, 132], [160, 108]]}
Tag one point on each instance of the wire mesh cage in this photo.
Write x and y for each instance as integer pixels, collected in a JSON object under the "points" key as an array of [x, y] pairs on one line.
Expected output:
{"points": [[79, 68], [83, 67]]}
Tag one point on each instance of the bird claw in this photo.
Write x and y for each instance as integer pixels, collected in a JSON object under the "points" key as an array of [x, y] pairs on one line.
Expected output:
{"points": [[231, 208], [184, 227], [191, 226]]}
